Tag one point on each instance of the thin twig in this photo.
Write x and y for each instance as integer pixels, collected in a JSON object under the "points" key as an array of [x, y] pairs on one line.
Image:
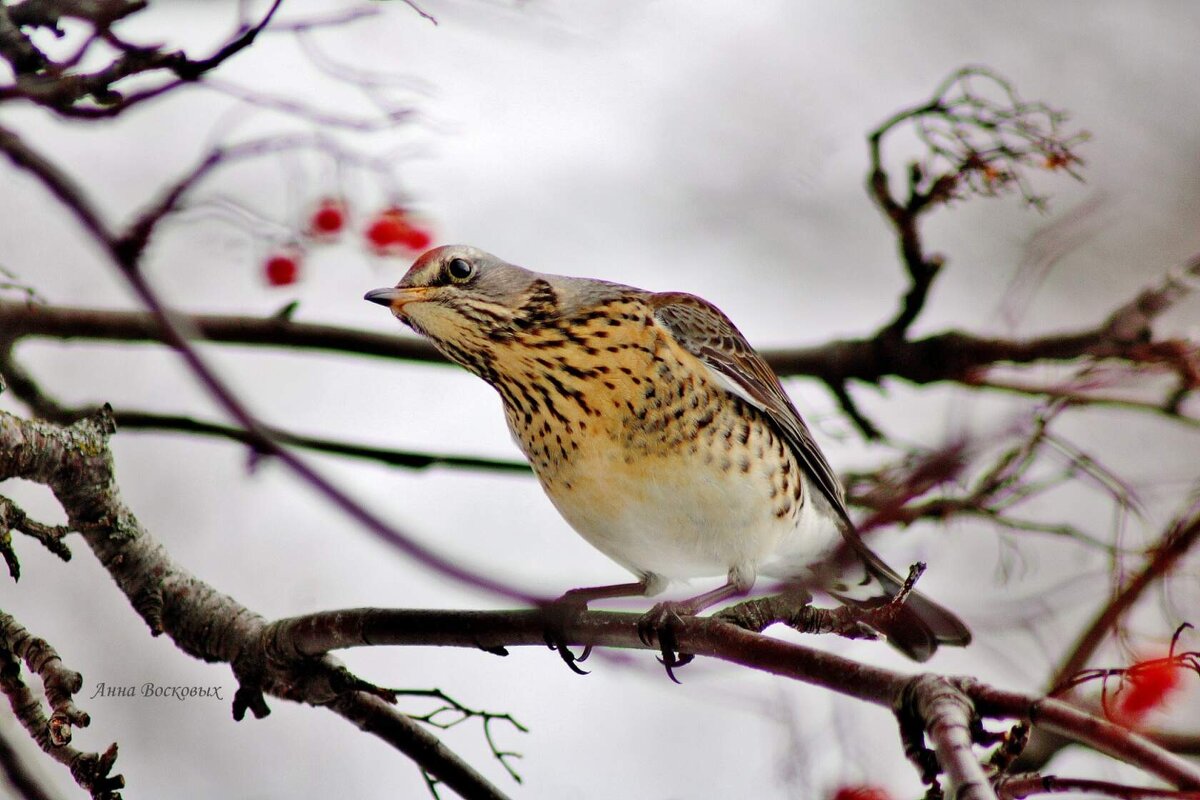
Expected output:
{"points": [[1176, 541]]}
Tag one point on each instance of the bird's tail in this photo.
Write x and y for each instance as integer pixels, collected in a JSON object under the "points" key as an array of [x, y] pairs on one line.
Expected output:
{"points": [[918, 626]]}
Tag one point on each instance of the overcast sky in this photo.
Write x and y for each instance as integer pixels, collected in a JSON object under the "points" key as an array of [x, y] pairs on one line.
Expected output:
{"points": [[712, 147]]}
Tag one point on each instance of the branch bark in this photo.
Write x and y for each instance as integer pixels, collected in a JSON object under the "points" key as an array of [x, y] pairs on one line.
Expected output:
{"points": [[493, 631], [76, 465]]}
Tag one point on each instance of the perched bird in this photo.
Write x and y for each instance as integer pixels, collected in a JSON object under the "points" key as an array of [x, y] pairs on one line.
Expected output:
{"points": [[660, 435]]}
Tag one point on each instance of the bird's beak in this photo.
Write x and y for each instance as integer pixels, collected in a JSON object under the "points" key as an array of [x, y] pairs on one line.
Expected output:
{"points": [[395, 298]]}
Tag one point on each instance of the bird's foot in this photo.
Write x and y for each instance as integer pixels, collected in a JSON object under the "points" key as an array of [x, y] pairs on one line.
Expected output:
{"points": [[659, 625], [762, 612], [558, 616]]}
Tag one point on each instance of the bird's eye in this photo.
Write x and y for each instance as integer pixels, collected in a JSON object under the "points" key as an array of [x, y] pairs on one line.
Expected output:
{"points": [[459, 269]]}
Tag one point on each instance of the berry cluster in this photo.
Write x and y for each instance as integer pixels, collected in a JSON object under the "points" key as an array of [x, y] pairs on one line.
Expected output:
{"points": [[394, 231]]}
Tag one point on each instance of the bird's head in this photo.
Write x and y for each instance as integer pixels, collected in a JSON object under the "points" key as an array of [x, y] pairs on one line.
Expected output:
{"points": [[472, 305], [466, 300]]}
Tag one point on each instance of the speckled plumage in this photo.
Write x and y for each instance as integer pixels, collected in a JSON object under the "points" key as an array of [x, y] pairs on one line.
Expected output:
{"points": [[655, 429], [629, 435]]}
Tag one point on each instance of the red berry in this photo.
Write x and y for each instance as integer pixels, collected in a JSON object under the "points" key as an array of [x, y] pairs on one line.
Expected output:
{"points": [[860, 793], [282, 269], [1150, 683], [392, 232], [385, 232], [416, 238], [329, 218]]}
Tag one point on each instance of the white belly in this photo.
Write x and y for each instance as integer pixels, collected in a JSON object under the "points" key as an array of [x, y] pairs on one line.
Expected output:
{"points": [[692, 521]]}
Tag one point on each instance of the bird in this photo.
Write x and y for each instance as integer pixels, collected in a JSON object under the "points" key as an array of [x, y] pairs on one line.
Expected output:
{"points": [[661, 437]]}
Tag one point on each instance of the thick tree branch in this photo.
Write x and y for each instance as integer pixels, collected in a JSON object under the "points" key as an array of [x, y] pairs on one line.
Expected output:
{"points": [[493, 631], [949, 714], [77, 466]]}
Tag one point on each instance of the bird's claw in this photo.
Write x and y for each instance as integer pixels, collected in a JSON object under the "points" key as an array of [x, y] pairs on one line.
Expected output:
{"points": [[659, 624], [558, 615]]}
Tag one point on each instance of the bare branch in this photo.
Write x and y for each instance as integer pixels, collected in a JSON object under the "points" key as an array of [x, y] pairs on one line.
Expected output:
{"points": [[93, 95], [974, 143], [380, 719], [53, 733], [389, 119], [710, 636], [452, 713], [948, 714], [949, 356], [867, 428], [12, 518], [411, 4], [77, 466], [1016, 787]]}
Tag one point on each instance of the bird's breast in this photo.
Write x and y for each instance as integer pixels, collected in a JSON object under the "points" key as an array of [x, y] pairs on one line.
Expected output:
{"points": [[643, 453]]}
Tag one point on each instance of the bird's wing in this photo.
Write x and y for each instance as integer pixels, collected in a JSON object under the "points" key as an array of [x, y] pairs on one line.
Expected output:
{"points": [[705, 332], [701, 329]]}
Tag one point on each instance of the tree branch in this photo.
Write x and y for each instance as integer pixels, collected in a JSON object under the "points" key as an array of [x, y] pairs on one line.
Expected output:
{"points": [[53, 734], [77, 466], [1177, 541], [493, 631], [1016, 787], [947, 356], [374, 716], [75, 463], [974, 144], [92, 95]]}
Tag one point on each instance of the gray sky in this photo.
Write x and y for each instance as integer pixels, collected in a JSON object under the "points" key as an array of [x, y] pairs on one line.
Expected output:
{"points": [[711, 147]]}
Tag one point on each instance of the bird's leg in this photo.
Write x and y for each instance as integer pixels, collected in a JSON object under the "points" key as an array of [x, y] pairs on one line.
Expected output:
{"points": [[581, 597], [659, 622], [561, 612]]}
